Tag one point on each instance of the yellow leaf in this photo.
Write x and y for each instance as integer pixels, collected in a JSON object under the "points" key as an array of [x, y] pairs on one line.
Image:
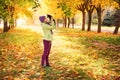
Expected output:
{"points": [[26, 79], [91, 74], [42, 73], [75, 70], [95, 56], [17, 79]]}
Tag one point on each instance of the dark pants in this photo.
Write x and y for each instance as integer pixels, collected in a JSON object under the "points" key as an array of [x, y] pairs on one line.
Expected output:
{"points": [[45, 56]]}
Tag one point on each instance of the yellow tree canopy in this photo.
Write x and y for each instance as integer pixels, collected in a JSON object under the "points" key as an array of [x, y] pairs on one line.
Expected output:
{"points": [[50, 7], [102, 3]]}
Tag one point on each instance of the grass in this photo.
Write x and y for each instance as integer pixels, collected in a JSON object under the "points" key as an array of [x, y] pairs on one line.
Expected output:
{"points": [[75, 55]]}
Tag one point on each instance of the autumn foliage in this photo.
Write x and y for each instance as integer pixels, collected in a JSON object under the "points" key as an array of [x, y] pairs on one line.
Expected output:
{"points": [[75, 55]]}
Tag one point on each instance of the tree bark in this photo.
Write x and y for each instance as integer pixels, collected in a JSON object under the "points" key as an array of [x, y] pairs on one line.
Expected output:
{"points": [[5, 26], [68, 22], [116, 20], [12, 20], [99, 11], [83, 20], [89, 9], [15, 22], [82, 8], [73, 21], [64, 21], [89, 21], [116, 30], [57, 23]]}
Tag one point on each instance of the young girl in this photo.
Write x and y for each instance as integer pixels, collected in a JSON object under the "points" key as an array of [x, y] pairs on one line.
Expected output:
{"points": [[47, 27]]}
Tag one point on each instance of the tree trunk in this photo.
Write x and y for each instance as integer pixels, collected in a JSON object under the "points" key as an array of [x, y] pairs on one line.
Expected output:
{"points": [[116, 20], [89, 9], [83, 20], [73, 22], [68, 22], [116, 30], [57, 23], [99, 22], [82, 8], [12, 20], [5, 26], [99, 11], [64, 21], [15, 22], [89, 21], [12, 23], [119, 3]]}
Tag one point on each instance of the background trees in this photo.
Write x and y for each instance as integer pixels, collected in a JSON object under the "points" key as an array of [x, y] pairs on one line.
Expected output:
{"points": [[100, 6], [69, 11], [10, 10], [65, 10]]}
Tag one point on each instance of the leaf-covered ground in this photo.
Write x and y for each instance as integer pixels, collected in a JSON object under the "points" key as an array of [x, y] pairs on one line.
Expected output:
{"points": [[75, 55]]}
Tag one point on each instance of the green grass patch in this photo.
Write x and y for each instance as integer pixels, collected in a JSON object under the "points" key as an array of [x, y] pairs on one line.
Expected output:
{"points": [[19, 37]]}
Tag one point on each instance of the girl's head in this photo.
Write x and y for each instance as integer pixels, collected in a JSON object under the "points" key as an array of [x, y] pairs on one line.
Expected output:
{"points": [[43, 19]]}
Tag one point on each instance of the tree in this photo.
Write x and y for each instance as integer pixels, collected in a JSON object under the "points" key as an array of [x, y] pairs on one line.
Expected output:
{"points": [[4, 14], [116, 21], [116, 18], [100, 6], [72, 5], [82, 7], [67, 12], [118, 1], [90, 7], [99, 11], [51, 7], [10, 9]]}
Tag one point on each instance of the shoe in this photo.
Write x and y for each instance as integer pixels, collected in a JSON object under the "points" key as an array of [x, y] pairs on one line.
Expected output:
{"points": [[42, 66], [48, 66]]}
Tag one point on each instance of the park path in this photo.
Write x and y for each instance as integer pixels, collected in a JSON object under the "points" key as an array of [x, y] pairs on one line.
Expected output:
{"points": [[37, 27]]}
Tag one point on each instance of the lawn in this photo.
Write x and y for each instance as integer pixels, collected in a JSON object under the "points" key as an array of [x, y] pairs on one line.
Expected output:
{"points": [[75, 55]]}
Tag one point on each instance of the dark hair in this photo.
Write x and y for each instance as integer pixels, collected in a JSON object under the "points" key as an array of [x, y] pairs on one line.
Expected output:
{"points": [[50, 17]]}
